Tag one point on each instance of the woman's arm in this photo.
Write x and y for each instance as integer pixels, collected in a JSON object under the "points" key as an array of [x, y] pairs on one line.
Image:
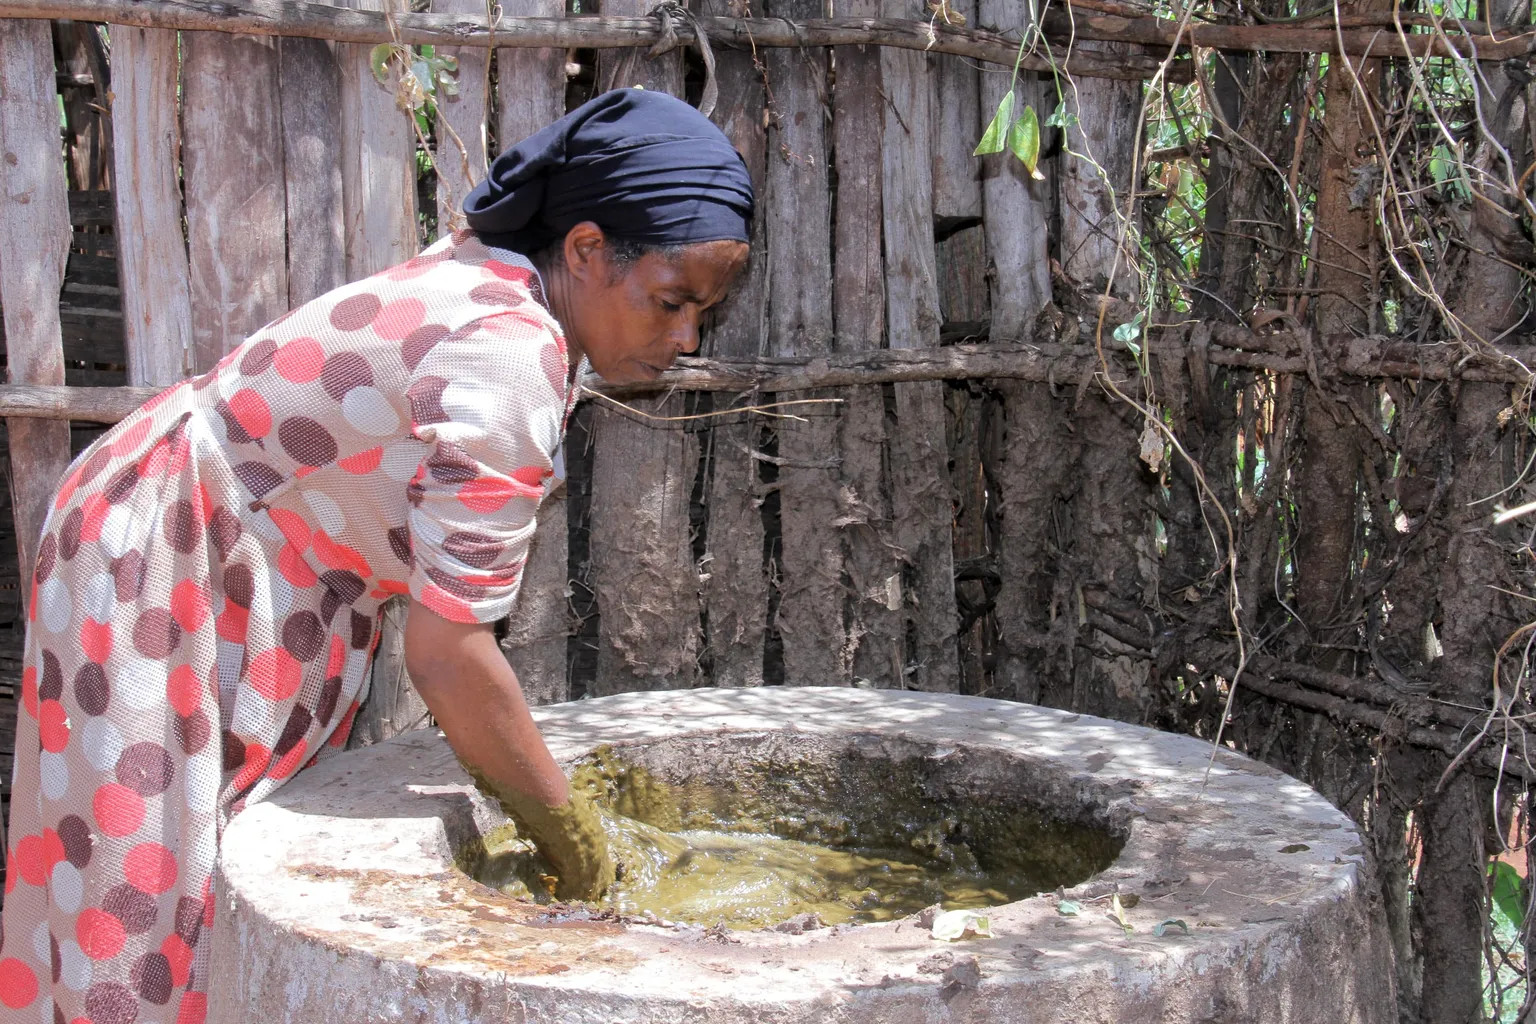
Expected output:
{"points": [[475, 697]]}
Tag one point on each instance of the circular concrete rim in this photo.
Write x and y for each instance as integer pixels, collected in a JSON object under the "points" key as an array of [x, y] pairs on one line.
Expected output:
{"points": [[1245, 865]]}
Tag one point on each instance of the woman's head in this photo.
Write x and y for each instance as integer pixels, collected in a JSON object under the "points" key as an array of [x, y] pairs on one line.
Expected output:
{"points": [[638, 210]]}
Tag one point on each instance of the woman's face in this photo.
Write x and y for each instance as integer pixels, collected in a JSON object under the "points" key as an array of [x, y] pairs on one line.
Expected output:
{"points": [[632, 321]]}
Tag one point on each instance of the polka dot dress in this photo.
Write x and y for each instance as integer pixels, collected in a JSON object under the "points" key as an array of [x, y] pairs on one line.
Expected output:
{"points": [[206, 602]]}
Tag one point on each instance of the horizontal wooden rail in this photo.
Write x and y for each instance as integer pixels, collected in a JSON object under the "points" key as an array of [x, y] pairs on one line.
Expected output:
{"points": [[1366, 358], [341, 24]]}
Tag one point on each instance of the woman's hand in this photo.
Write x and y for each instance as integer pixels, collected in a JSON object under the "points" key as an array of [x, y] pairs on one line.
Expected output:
{"points": [[475, 697]]}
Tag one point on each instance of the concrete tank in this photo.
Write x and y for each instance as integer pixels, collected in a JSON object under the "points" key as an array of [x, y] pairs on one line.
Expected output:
{"points": [[345, 897]]}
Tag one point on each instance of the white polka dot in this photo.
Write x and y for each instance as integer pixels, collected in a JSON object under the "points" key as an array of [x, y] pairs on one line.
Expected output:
{"points": [[462, 434], [217, 430], [229, 658], [327, 513], [253, 713], [45, 1012], [98, 597], [74, 967], [262, 526], [352, 674], [117, 531], [369, 412], [41, 947], [67, 887], [103, 743], [201, 778], [470, 403], [141, 683], [402, 459], [426, 531], [55, 775], [54, 606], [201, 850], [283, 596]]}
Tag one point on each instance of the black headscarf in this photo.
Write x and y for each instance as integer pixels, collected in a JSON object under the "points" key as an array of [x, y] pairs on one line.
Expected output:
{"points": [[642, 165]]}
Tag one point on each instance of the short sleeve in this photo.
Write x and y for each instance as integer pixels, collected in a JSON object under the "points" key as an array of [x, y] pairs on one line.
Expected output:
{"points": [[489, 403]]}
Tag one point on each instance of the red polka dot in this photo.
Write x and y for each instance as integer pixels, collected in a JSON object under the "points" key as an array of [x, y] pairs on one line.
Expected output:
{"points": [[506, 271], [338, 556], [294, 569], [399, 319], [29, 690], [53, 726], [96, 640], [251, 412], [336, 658], [151, 868], [531, 476], [445, 604], [53, 849], [300, 360], [193, 1008], [289, 762], [257, 757], [130, 439], [232, 623], [100, 934], [276, 674], [362, 463], [394, 586], [96, 508], [487, 494], [179, 955], [67, 489], [119, 810], [292, 526], [32, 860], [190, 605], [18, 985], [344, 728], [184, 690]]}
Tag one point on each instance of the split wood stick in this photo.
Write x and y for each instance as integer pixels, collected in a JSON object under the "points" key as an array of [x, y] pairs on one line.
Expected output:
{"points": [[460, 155], [311, 96]]}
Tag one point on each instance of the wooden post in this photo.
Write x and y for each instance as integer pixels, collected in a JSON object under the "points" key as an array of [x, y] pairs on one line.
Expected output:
{"points": [[875, 630], [530, 83], [461, 124], [643, 473], [311, 97], [151, 246], [956, 103], [34, 240], [236, 195], [920, 492], [736, 587]]}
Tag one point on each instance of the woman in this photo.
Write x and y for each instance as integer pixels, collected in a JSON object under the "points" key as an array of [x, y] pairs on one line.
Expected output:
{"points": [[207, 592]]}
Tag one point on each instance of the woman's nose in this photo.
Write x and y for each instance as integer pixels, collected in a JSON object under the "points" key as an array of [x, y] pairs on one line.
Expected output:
{"points": [[686, 337]]}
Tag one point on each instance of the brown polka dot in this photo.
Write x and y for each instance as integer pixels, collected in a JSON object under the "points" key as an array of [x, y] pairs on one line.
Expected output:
{"points": [[456, 586], [98, 461], [56, 958], [129, 572], [258, 357], [362, 631], [155, 633], [91, 690], [224, 530], [329, 603], [122, 484], [137, 910], [69, 533], [400, 544], [47, 555], [426, 397], [449, 464], [192, 732], [258, 477], [419, 342], [495, 293], [293, 731], [347, 585], [151, 978], [51, 686], [232, 427], [239, 584], [182, 529], [329, 695], [303, 635], [234, 751], [146, 768], [475, 549], [306, 441], [343, 372], [415, 493], [355, 312], [189, 919], [75, 834], [110, 1002]]}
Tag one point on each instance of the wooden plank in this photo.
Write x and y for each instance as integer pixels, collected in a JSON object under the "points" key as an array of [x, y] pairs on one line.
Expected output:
{"points": [[310, 81], [956, 129], [236, 205], [921, 502], [736, 587], [460, 158], [643, 570], [34, 238], [1093, 198], [378, 162], [530, 82], [797, 216], [858, 296], [540, 625], [152, 247]]}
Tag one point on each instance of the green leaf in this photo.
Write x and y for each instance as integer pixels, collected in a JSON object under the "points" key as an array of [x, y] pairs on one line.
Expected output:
{"points": [[379, 58], [1162, 927], [1024, 141], [1069, 908], [1060, 117], [423, 73], [1507, 901], [1126, 334], [995, 137]]}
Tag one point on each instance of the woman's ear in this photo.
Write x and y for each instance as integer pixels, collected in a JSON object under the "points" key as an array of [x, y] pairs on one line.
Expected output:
{"points": [[586, 251]]}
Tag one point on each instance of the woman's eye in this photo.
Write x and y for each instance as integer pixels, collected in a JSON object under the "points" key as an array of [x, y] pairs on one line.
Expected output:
{"points": [[671, 307]]}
